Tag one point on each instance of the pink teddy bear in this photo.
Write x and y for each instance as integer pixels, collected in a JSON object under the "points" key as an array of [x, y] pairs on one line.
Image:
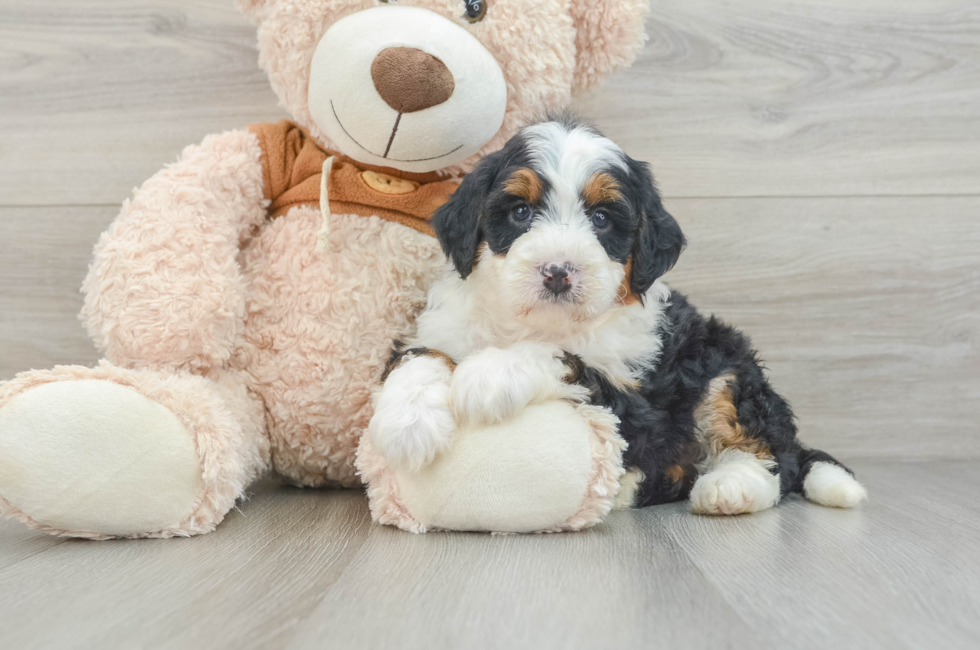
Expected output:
{"points": [[247, 296]]}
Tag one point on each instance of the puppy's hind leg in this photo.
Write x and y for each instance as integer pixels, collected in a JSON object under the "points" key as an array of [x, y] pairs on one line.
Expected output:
{"points": [[739, 473], [737, 483]]}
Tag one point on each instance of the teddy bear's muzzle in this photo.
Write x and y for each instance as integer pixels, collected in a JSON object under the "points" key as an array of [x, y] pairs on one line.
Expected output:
{"points": [[406, 88]]}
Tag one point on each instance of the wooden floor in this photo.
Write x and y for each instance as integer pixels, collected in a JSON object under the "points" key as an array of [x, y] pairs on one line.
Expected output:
{"points": [[307, 569], [823, 157]]}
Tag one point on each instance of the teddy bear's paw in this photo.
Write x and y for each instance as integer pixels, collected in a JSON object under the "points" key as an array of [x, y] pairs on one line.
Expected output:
{"points": [[93, 458], [412, 422]]}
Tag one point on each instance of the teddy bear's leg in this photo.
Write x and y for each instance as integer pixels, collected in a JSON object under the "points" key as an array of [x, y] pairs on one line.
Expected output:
{"points": [[108, 452]]}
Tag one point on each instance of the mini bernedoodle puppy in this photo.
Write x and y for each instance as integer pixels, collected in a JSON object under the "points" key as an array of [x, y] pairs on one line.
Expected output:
{"points": [[557, 243]]}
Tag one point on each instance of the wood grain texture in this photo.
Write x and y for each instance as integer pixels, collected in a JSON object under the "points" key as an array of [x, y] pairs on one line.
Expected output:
{"points": [[245, 588], [755, 98], [867, 315], [304, 569], [803, 98], [97, 96], [866, 311], [44, 255]]}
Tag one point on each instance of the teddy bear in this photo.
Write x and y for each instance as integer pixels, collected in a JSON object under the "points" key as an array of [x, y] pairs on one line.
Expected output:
{"points": [[247, 295]]}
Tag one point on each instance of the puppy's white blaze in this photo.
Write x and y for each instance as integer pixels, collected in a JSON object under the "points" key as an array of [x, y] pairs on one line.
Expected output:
{"points": [[831, 485], [736, 482], [571, 154], [568, 158], [412, 422]]}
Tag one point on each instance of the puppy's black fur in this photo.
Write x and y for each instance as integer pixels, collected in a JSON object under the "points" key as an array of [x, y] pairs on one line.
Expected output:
{"points": [[657, 418]]}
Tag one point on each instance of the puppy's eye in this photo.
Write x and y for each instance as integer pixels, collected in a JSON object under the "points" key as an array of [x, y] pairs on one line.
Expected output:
{"points": [[600, 220], [475, 10], [522, 213]]}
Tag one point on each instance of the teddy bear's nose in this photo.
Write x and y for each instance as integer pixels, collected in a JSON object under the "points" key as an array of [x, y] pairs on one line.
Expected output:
{"points": [[411, 80]]}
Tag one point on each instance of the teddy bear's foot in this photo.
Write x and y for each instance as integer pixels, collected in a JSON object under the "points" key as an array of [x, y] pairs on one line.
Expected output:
{"points": [[105, 452]]}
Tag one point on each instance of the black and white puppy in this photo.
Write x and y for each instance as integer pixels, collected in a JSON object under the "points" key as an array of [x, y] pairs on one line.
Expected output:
{"points": [[556, 244]]}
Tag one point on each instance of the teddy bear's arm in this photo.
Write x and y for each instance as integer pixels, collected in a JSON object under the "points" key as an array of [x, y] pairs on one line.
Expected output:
{"points": [[165, 289]]}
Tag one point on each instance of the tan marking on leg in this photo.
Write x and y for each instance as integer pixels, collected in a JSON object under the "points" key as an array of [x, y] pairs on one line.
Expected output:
{"points": [[439, 354], [675, 473], [717, 423], [406, 354], [524, 183], [601, 188]]}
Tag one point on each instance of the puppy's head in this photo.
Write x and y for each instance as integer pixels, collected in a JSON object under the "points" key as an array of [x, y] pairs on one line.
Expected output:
{"points": [[559, 224]]}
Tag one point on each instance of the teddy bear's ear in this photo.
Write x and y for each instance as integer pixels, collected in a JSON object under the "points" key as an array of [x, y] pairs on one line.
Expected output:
{"points": [[255, 10], [609, 35]]}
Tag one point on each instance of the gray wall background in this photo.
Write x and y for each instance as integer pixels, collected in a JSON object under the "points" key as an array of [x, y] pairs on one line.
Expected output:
{"points": [[823, 157]]}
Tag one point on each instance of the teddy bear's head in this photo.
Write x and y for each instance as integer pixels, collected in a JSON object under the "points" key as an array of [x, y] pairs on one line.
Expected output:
{"points": [[424, 85]]}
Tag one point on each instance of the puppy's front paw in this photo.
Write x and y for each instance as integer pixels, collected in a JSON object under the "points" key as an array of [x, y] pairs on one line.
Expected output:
{"points": [[490, 387], [412, 422]]}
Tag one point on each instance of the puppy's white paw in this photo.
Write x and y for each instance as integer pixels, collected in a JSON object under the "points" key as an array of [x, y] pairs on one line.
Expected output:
{"points": [[491, 386], [735, 488], [412, 422], [832, 485]]}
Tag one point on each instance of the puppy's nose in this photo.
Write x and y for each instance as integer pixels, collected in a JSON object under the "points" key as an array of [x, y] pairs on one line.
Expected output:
{"points": [[411, 80], [556, 279]]}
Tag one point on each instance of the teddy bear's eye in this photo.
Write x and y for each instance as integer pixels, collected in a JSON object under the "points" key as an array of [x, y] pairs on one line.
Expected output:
{"points": [[475, 10]]}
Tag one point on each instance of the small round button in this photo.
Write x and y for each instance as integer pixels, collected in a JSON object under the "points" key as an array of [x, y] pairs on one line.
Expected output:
{"points": [[388, 184]]}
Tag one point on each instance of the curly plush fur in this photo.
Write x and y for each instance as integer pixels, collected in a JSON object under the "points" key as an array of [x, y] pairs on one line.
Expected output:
{"points": [[266, 349]]}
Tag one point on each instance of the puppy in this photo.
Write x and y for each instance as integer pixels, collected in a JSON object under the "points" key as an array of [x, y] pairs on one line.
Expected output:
{"points": [[557, 243]]}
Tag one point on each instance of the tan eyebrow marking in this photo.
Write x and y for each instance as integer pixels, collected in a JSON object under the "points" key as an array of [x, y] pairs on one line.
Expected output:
{"points": [[600, 188], [524, 183]]}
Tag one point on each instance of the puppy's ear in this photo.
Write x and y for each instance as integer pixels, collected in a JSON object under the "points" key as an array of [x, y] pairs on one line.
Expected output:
{"points": [[659, 240], [458, 223]]}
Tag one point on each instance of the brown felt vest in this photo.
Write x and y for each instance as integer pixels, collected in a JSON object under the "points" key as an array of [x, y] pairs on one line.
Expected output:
{"points": [[292, 164]]}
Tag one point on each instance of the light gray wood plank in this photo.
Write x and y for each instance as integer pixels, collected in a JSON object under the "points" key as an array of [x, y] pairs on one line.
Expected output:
{"points": [[245, 586], [621, 585], [18, 542], [866, 311], [807, 97], [867, 315], [803, 97], [899, 572], [96, 96], [44, 255], [296, 569]]}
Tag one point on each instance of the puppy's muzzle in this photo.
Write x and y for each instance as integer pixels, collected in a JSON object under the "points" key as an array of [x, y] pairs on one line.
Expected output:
{"points": [[557, 279]]}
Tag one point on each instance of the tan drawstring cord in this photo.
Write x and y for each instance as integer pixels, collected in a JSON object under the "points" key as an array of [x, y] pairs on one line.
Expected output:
{"points": [[324, 233]]}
